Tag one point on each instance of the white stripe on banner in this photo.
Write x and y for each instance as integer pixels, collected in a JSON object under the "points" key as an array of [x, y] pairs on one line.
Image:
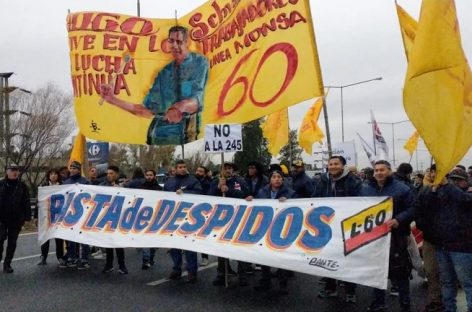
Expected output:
{"points": [[341, 238]]}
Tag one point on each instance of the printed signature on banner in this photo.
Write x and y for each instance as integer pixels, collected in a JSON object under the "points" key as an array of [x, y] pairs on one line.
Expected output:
{"points": [[330, 265], [366, 226]]}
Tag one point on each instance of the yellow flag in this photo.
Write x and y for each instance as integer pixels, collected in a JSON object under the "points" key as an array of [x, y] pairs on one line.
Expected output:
{"points": [[275, 130], [408, 27], [309, 131], [412, 143], [438, 87], [78, 150], [246, 59]]}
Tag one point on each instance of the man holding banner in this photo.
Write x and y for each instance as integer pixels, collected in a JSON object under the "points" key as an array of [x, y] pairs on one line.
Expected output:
{"points": [[337, 182], [181, 183], [400, 265], [233, 187], [176, 96]]}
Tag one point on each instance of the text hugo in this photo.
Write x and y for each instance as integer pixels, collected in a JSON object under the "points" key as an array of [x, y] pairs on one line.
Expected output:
{"points": [[245, 225]]}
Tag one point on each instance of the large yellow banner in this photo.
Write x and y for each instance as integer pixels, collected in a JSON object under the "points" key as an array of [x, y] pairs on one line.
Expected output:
{"points": [[157, 81]]}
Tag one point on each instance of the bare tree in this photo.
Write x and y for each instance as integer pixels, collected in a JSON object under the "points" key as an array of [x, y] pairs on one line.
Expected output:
{"points": [[39, 125], [130, 156]]}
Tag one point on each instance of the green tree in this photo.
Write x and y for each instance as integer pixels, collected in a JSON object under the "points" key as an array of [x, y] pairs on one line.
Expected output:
{"points": [[254, 147], [291, 151]]}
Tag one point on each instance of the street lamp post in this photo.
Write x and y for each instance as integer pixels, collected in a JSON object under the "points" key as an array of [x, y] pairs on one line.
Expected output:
{"points": [[342, 103]]}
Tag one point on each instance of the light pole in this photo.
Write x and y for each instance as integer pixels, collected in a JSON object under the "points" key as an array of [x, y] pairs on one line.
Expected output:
{"points": [[393, 135], [5, 112], [342, 104]]}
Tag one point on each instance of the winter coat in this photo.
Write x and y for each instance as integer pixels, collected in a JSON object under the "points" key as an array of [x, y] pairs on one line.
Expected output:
{"points": [[302, 185], [151, 185], [403, 201], [284, 191], [135, 183], [262, 181], [205, 182], [76, 179], [445, 217], [15, 207], [237, 188], [187, 183], [346, 185]]}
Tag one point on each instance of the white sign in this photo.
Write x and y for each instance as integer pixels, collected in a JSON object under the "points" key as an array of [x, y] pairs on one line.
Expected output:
{"points": [[223, 138], [343, 238], [347, 150]]}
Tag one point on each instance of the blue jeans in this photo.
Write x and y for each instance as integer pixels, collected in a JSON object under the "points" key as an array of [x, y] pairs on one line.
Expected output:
{"points": [[190, 256], [454, 266], [403, 285], [148, 255]]}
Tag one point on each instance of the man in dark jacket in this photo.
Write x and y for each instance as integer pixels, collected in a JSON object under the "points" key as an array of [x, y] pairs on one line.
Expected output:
{"points": [[113, 174], [426, 209], [403, 175], [202, 175], [276, 189], [338, 182], [15, 209], [301, 183], [150, 183], [234, 187], [255, 178], [75, 177], [403, 204], [452, 222], [181, 183]]}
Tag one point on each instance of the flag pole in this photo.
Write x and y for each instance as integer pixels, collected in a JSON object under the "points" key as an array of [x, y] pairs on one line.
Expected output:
{"points": [[320, 86]]}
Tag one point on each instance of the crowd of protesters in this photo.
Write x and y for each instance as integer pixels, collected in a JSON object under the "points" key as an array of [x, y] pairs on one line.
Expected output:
{"points": [[441, 213]]}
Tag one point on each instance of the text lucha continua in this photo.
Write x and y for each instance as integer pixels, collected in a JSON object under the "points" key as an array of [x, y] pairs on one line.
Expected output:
{"points": [[92, 70]]}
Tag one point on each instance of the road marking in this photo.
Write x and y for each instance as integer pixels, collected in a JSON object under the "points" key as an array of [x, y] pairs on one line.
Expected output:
{"points": [[29, 257], [165, 280], [26, 234]]}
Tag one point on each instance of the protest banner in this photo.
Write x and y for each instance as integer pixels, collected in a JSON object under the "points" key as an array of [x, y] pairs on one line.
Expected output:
{"points": [[342, 238], [244, 61], [223, 138]]}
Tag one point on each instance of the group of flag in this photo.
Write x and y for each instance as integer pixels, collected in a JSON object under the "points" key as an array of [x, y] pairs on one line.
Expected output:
{"points": [[437, 94]]}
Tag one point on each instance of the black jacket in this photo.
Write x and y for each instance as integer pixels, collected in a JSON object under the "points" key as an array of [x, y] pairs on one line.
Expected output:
{"points": [[445, 217], [346, 185], [403, 201], [284, 191], [302, 185], [151, 185], [205, 182], [261, 182], [187, 183], [237, 188], [15, 207]]}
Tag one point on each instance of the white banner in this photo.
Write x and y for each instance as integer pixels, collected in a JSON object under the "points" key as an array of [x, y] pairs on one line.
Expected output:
{"points": [[223, 138], [342, 238], [346, 149]]}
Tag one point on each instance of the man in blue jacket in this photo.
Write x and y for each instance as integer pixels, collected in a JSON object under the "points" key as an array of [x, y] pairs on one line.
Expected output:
{"points": [[337, 182], [75, 177], [181, 183], [400, 266]]}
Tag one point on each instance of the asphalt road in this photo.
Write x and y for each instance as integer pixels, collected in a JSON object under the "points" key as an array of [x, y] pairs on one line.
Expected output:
{"points": [[48, 288]]}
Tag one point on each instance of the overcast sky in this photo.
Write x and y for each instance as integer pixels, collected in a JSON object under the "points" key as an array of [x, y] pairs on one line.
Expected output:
{"points": [[357, 40]]}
